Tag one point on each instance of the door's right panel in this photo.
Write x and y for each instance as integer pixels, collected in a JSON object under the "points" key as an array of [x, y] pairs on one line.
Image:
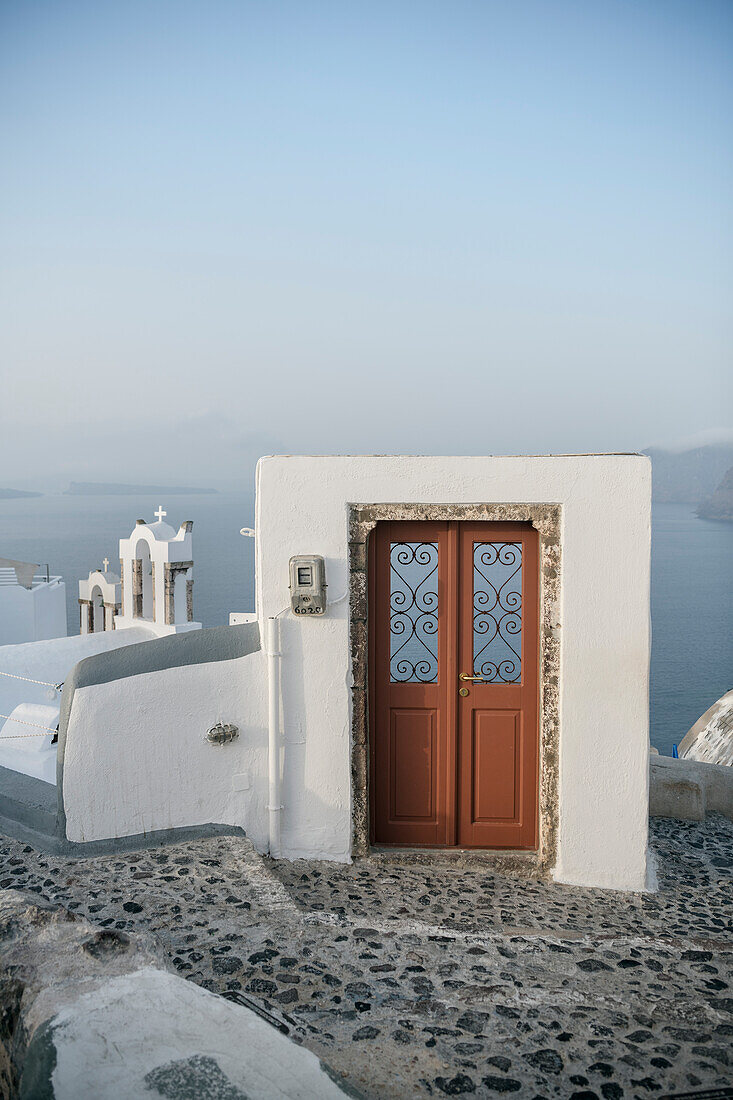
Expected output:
{"points": [[498, 728]]}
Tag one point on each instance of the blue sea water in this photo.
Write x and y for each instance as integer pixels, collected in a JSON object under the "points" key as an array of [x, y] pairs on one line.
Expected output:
{"points": [[692, 619], [692, 587]]}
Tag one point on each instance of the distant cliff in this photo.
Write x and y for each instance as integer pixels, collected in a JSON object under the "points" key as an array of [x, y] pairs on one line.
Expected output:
{"points": [[103, 488], [16, 494], [720, 504], [688, 476]]}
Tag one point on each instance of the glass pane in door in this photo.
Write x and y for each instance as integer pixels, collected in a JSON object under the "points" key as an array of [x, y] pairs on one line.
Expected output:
{"points": [[497, 611], [413, 610]]}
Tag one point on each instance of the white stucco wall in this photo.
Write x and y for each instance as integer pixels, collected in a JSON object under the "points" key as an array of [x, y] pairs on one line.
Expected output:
{"points": [[137, 760], [604, 630], [32, 614]]}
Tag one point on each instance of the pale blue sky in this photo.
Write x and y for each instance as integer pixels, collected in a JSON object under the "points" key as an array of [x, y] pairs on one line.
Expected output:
{"points": [[230, 227]]}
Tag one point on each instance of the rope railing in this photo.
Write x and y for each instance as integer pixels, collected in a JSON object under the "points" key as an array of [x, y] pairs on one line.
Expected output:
{"points": [[24, 722], [30, 680]]}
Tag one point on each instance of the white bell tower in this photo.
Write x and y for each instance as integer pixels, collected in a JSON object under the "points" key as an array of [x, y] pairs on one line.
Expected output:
{"points": [[156, 567]]}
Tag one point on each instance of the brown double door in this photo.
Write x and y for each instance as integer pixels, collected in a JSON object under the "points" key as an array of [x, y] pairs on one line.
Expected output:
{"points": [[454, 684]]}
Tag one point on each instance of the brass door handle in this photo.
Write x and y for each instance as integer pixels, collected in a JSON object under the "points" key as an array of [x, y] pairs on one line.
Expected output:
{"points": [[474, 679]]}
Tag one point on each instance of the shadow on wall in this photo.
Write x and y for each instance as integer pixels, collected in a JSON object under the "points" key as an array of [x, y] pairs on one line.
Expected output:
{"points": [[314, 820]]}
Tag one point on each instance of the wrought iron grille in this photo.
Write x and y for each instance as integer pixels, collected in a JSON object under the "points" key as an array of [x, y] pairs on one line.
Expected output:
{"points": [[497, 611], [413, 607]]}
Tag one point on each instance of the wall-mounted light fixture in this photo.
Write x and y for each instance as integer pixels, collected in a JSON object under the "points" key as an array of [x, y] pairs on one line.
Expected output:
{"points": [[222, 733]]}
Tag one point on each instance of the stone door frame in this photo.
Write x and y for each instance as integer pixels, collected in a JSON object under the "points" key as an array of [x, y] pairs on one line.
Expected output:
{"points": [[546, 518]]}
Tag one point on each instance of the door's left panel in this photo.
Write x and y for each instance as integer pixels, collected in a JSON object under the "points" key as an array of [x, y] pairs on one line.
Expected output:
{"points": [[409, 623]]}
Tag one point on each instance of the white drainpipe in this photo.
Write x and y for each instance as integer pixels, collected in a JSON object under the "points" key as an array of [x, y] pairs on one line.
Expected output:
{"points": [[273, 728]]}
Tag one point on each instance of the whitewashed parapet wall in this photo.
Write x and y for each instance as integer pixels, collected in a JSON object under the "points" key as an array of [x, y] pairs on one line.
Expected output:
{"points": [[134, 758], [602, 624]]}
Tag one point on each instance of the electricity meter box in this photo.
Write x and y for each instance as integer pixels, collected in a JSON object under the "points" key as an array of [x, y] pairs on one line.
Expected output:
{"points": [[308, 584]]}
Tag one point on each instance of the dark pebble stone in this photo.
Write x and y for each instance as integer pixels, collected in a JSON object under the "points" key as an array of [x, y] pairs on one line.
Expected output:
{"points": [[611, 1091], [472, 1021], [647, 1083], [367, 1032], [716, 1054], [546, 1061], [564, 1036], [401, 1036], [132, 907], [257, 985], [592, 965], [686, 1035], [626, 963], [287, 996], [585, 1094], [263, 956], [502, 1084], [362, 1006], [601, 1067], [455, 1086], [358, 989], [500, 1062]]}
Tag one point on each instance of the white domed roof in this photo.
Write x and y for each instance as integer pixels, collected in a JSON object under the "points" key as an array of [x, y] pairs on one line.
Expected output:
{"points": [[163, 532]]}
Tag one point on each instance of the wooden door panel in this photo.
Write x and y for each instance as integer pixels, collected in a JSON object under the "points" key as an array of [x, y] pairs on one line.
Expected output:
{"points": [[495, 766], [413, 760]]}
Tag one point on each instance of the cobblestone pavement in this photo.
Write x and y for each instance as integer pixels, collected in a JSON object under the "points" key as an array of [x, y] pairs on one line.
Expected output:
{"points": [[436, 976]]}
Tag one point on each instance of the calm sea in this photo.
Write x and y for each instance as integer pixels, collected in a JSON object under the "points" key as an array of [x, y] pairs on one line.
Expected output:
{"points": [[692, 590]]}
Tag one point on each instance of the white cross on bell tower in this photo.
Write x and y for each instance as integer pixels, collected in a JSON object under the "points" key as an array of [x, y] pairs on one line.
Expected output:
{"points": [[105, 563], [160, 513]]}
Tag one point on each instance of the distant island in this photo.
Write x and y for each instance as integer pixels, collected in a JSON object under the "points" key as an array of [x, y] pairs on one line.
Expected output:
{"points": [[114, 489], [720, 504], [688, 476], [15, 494]]}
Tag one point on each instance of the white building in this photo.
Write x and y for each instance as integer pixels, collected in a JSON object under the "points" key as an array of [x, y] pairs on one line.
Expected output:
{"points": [[476, 674], [32, 603]]}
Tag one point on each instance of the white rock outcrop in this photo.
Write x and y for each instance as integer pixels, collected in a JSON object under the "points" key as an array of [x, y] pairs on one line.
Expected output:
{"points": [[710, 740]]}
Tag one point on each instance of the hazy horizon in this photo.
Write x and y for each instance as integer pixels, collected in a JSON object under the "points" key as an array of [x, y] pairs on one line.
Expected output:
{"points": [[233, 229]]}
